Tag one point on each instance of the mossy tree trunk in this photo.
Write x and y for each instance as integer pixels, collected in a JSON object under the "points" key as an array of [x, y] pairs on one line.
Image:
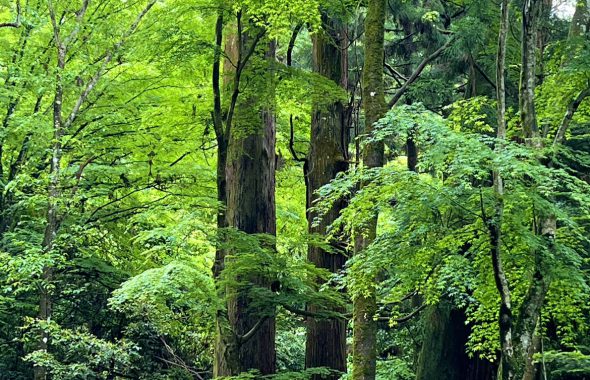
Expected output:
{"points": [[365, 304], [328, 156], [581, 20]]}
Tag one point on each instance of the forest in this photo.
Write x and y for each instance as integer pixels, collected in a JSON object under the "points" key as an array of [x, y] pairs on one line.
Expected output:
{"points": [[295, 189]]}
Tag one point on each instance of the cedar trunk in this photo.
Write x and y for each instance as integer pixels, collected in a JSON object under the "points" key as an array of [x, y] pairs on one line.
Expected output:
{"points": [[245, 337], [365, 305], [443, 355], [326, 338]]}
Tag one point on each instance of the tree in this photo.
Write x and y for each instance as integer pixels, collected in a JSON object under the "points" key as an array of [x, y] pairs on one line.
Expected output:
{"points": [[327, 158], [365, 302]]}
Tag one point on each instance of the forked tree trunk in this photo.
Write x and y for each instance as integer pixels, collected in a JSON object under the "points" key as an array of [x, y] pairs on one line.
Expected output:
{"points": [[365, 305], [326, 338]]}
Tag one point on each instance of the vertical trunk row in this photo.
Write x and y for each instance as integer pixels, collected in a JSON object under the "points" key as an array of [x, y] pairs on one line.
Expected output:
{"points": [[326, 339], [365, 305]]}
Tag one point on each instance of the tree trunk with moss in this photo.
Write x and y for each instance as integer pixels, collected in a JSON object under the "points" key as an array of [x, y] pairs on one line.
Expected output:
{"points": [[581, 20], [365, 304], [328, 156]]}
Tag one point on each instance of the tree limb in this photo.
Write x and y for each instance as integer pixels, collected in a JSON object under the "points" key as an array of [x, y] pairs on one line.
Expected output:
{"points": [[569, 115], [402, 90], [404, 318], [16, 23]]}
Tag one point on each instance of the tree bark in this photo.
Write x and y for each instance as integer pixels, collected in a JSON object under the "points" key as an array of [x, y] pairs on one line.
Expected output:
{"points": [[245, 336], [443, 355], [528, 115], [581, 19], [328, 156], [365, 305]]}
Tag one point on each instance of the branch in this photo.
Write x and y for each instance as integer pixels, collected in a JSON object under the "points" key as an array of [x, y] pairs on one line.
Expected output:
{"points": [[241, 64], [292, 43], [217, 117], [404, 318], [15, 24], [310, 314], [484, 75], [292, 142], [569, 115], [402, 90], [396, 75], [244, 338], [109, 56]]}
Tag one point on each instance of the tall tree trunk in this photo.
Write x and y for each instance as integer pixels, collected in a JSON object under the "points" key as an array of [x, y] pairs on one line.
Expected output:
{"points": [[524, 326], [528, 116], [326, 339], [365, 305], [54, 193], [505, 320], [581, 19], [247, 340]]}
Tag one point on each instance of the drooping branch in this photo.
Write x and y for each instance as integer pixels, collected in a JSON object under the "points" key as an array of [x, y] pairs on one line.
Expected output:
{"points": [[217, 117], [416, 74], [292, 43], [403, 318], [17, 22], [569, 115], [248, 335]]}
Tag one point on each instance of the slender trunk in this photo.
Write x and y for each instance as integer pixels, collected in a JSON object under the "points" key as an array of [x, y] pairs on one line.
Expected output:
{"points": [[528, 116], [529, 313], [365, 305], [326, 339], [508, 367], [54, 193]]}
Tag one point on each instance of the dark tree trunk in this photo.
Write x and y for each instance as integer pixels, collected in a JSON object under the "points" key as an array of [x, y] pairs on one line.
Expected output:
{"points": [[443, 355], [581, 19], [365, 306], [326, 339], [250, 176]]}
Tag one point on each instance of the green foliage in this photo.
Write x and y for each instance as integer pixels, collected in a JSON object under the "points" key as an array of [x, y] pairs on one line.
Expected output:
{"points": [[564, 365], [433, 238], [77, 354], [130, 276]]}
